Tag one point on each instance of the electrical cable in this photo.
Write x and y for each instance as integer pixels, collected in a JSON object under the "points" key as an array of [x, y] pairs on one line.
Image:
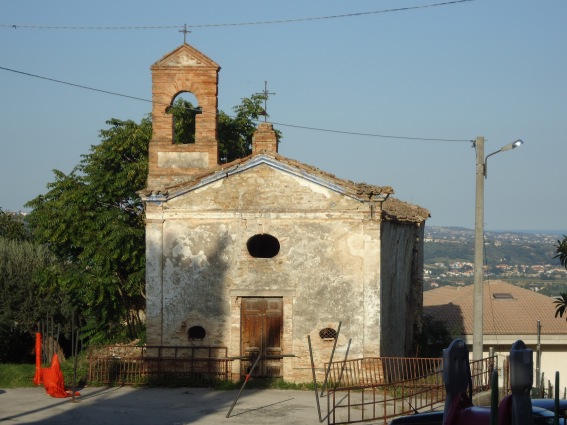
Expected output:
{"points": [[279, 21], [352, 133], [73, 84]]}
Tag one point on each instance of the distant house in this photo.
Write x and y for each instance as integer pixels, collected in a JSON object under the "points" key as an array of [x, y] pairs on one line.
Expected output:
{"points": [[510, 313]]}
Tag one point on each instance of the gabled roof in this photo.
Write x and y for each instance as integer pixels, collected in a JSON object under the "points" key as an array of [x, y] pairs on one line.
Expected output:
{"points": [[185, 55], [360, 191], [508, 310], [393, 209]]}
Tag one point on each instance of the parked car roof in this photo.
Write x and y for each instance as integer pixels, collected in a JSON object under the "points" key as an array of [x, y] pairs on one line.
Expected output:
{"points": [[541, 417], [549, 404]]}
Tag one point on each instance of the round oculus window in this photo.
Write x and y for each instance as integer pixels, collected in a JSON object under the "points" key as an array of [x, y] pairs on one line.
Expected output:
{"points": [[196, 332], [263, 246]]}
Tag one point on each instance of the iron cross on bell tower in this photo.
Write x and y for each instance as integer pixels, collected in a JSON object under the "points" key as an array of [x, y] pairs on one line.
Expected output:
{"points": [[185, 31], [265, 94]]}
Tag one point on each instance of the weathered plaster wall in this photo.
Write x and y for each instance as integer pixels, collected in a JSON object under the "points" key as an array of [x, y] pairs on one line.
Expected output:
{"points": [[327, 270], [196, 262], [154, 283]]}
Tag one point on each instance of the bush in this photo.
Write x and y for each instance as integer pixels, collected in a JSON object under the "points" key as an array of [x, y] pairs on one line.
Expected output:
{"points": [[16, 346]]}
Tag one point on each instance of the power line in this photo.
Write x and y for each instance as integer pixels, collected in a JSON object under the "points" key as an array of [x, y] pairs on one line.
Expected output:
{"points": [[352, 133], [73, 84], [346, 15], [269, 22], [74, 27]]}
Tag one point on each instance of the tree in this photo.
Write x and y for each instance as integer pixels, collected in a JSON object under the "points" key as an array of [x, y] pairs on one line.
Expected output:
{"points": [[561, 251], [560, 304], [561, 300], [234, 132], [183, 113], [433, 337], [12, 227], [92, 218], [24, 302]]}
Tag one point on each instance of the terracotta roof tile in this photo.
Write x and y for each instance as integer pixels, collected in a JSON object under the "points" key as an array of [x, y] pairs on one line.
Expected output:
{"points": [[361, 189], [395, 210], [392, 209], [514, 312]]}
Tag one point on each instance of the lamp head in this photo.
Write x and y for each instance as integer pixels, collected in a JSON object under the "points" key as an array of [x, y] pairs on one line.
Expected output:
{"points": [[512, 145]]}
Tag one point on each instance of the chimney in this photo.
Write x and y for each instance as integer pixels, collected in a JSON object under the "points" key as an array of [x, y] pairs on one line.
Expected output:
{"points": [[264, 139]]}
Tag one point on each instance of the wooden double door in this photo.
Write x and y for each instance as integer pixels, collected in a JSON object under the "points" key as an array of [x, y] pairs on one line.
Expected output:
{"points": [[262, 331]]}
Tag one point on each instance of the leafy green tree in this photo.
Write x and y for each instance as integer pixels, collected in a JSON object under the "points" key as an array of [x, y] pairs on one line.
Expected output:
{"points": [[12, 227], [92, 218], [561, 300], [24, 301], [433, 338], [183, 113], [561, 251], [234, 132], [560, 304]]}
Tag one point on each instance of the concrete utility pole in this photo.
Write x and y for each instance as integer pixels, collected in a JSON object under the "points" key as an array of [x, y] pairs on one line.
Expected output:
{"points": [[478, 250], [481, 160]]}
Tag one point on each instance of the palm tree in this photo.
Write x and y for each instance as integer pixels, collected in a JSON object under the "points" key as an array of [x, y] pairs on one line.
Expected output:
{"points": [[561, 300], [561, 304], [562, 251]]}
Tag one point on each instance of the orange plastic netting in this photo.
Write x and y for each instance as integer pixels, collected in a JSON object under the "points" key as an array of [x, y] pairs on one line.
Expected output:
{"points": [[51, 377], [37, 376]]}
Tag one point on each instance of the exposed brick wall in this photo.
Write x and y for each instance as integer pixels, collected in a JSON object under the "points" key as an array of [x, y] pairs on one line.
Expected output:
{"points": [[264, 139], [183, 70]]}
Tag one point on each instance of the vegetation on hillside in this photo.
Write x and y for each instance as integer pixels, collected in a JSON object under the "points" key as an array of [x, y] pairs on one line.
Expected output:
{"points": [[524, 259], [514, 254]]}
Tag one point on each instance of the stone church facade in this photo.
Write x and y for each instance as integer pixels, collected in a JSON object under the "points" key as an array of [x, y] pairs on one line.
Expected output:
{"points": [[259, 253]]}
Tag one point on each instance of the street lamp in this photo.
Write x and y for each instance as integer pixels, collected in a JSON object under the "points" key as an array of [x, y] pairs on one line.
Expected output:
{"points": [[481, 160]]}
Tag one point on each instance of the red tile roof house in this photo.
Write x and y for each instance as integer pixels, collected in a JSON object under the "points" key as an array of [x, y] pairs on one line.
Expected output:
{"points": [[510, 313]]}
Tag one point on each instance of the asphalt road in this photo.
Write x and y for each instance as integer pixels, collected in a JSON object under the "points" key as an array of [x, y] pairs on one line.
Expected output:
{"points": [[175, 406]]}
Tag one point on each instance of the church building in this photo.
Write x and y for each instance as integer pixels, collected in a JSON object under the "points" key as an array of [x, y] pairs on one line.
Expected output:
{"points": [[259, 253]]}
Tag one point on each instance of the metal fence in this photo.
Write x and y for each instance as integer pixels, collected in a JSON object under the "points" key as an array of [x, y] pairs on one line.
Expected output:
{"points": [[382, 388], [156, 365]]}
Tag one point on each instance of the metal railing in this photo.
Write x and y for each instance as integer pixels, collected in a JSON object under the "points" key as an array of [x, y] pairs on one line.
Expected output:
{"points": [[378, 389], [158, 365]]}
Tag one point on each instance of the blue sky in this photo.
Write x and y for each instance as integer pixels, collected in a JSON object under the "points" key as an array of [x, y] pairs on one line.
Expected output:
{"points": [[488, 68]]}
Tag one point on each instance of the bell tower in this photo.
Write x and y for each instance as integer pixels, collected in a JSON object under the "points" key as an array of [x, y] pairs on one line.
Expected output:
{"points": [[183, 70]]}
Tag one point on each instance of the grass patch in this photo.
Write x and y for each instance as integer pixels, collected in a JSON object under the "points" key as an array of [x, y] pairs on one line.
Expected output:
{"points": [[21, 375], [265, 384], [16, 375]]}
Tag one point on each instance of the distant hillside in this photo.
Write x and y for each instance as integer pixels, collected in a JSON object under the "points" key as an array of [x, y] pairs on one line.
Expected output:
{"points": [[520, 258], [453, 244]]}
